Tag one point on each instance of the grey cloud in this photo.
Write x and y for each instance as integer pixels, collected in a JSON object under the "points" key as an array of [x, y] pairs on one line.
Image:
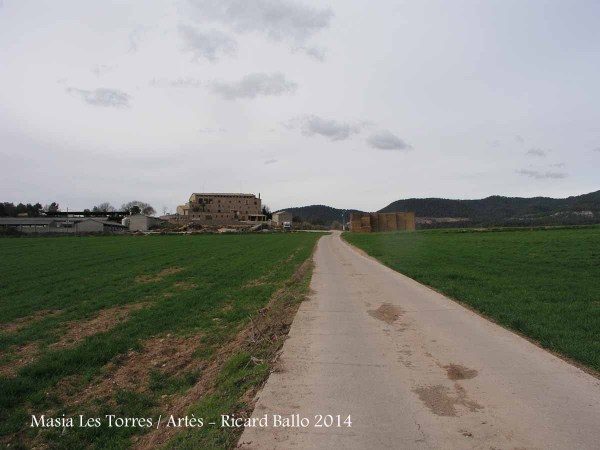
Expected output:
{"points": [[207, 44], [212, 130], [101, 69], [254, 85], [561, 164], [329, 128], [315, 52], [279, 20], [270, 161], [597, 149], [135, 36], [541, 175], [519, 139], [386, 140], [177, 83], [537, 152], [102, 97]]}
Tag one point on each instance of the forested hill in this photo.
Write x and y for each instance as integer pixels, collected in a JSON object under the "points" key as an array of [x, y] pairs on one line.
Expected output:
{"points": [[319, 214], [490, 211], [497, 210]]}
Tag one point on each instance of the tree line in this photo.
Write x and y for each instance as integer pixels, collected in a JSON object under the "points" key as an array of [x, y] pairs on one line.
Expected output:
{"points": [[9, 209]]}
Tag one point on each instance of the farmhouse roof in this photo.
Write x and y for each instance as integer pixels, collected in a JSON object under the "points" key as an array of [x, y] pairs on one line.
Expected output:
{"points": [[27, 220], [224, 194], [49, 220], [105, 222], [145, 215]]}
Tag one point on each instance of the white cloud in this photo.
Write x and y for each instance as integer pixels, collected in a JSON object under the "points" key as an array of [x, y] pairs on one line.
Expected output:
{"points": [[386, 140]]}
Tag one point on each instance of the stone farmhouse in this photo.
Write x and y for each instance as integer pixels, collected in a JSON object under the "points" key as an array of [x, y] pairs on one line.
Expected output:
{"points": [[221, 208]]}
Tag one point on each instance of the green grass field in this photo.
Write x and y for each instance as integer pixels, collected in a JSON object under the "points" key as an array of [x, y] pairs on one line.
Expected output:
{"points": [[127, 325], [544, 284]]}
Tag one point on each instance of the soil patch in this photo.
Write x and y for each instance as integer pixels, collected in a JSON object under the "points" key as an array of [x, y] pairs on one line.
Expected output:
{"points": [[292, 255], [301, 272], [106, 319], [26, 353], [22, 322], [72, 334], [169, 355], [159, 276], [386, 312], [443, 402], [254, 283], [460, 372], [185, 285]]}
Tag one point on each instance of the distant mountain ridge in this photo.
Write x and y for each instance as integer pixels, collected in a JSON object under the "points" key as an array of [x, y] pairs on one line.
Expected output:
{"points": [[490, 211]]}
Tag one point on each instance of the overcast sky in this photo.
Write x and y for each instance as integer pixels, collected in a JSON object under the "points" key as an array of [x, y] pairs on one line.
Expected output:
{"points": [[347, 103]]}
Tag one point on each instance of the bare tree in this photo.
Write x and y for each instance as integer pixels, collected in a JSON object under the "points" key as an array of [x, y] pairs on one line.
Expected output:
{"points": [[267, 212], [104, 207], [52, 208], [136, 207]]}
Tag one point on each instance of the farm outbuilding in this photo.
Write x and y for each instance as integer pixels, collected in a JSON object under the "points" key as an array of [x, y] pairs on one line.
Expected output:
{"points": [[142, 222], [98, 226], [281, 216], [61, 225]]}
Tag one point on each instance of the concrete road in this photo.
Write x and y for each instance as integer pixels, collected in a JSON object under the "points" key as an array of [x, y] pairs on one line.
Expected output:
{"points": [[414, 370]]}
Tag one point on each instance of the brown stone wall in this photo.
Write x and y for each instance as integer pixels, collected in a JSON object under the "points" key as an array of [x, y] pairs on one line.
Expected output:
{"points": [[221, 208]]}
